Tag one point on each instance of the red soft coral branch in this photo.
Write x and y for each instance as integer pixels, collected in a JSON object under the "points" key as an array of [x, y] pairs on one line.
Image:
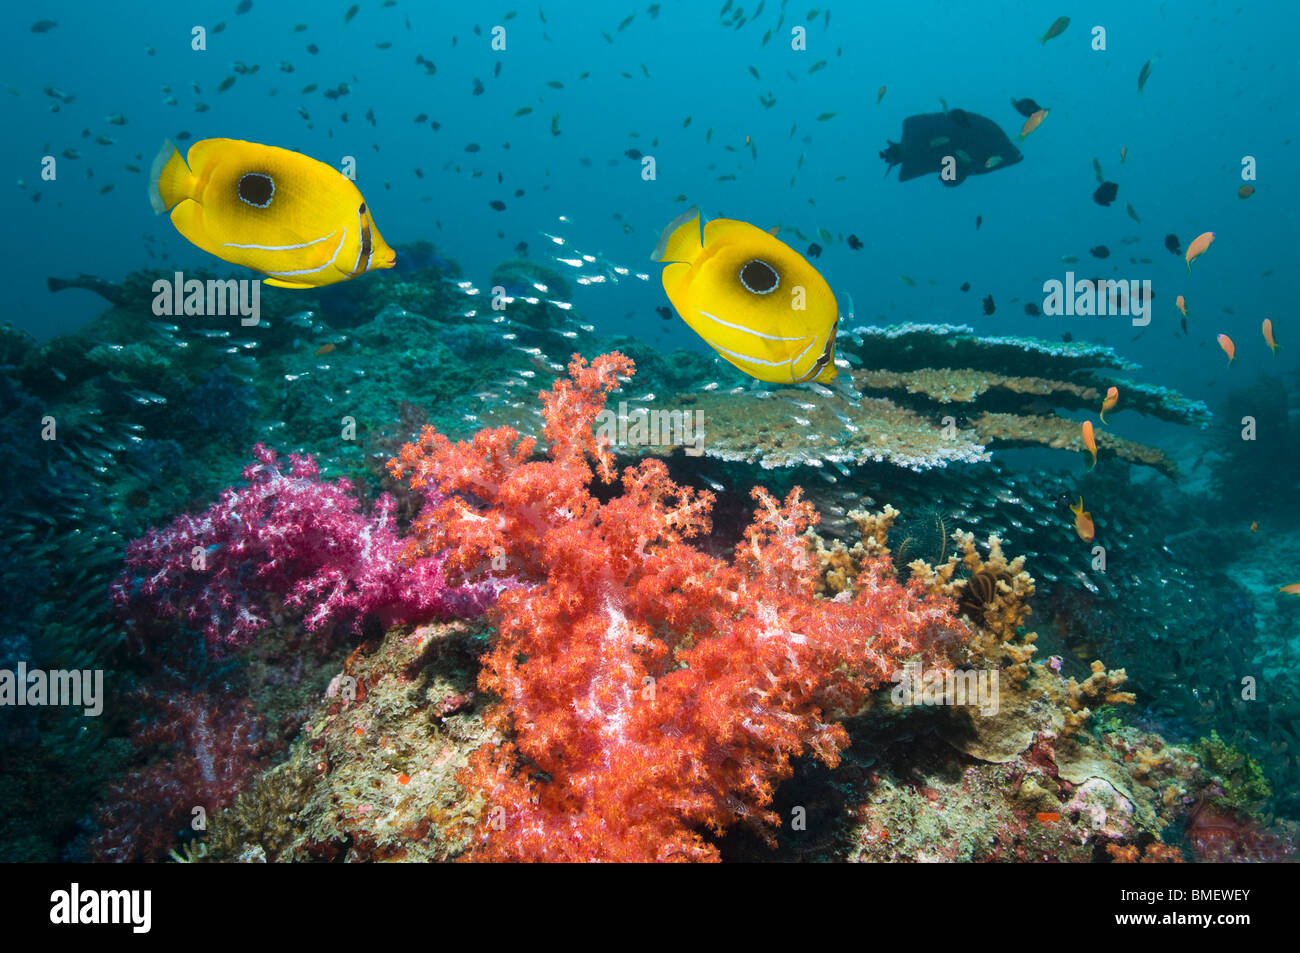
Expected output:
{"points": [[652, 693]]}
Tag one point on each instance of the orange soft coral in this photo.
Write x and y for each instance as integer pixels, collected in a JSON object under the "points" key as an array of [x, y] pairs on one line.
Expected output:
{"points": [[654, 694]]}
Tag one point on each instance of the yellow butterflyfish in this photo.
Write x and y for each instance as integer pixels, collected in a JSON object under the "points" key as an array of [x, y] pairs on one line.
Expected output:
{"points": [[751, 297], [298, 220]]}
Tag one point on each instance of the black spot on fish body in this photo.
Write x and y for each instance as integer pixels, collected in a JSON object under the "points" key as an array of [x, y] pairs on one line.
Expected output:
{"points": [[989, 306], [1105, 193], [814, 250], [1032, 309], [256, 189], [1101, 251], [1173, 244], [758, 277], [854, 242], [965, 286]]}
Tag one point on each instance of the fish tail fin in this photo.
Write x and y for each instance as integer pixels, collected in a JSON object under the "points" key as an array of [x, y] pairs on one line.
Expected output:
{"points": [[57, 284], [680, 240], [169, 179]]}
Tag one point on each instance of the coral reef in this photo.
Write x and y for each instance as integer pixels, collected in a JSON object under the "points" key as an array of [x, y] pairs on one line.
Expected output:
{"points": [[372, 776], [200, 750], [651, 692]]}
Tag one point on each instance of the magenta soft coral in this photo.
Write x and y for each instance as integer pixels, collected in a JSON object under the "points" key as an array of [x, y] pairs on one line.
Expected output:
{"points": [[291, 536], [652, 693]]}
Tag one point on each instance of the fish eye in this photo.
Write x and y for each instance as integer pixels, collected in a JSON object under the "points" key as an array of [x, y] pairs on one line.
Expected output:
{"points": [[759, 277], [256, 189]]}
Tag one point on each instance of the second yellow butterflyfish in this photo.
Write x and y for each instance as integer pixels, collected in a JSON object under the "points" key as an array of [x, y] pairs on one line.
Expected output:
{"points": [[753, 298], [298, 220]]}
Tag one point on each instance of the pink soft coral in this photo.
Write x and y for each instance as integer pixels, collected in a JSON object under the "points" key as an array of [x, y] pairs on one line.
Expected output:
{"points": [[652, 692], [291, 536]]}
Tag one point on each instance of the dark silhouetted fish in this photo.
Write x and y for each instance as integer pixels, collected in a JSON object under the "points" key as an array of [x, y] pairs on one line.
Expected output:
{"points": [[1105, 193], [1173, 244], [965, 286], [970, 139], [1032, 309], [989, 307], [814, 250], [1101, 251], [1026, 107], [113, 293]]}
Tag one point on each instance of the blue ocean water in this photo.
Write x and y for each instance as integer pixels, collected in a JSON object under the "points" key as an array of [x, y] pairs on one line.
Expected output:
{"points": [[1220, 89], [774, 138]]}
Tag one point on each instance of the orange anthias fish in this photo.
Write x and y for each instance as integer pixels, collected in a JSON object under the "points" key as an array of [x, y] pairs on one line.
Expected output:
{"points": [[1083, 522], [1182, 304], [1292, 590], [1112, 398], [1229, 348], [1268, 336], [1198, 248], [323, 350], [1033, 122], [1254, 526], [1090, 441], [1245, 192], [1048, 817]]}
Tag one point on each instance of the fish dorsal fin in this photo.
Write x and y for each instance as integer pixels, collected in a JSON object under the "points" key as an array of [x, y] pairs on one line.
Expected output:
{"points": [[680, 241]]}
